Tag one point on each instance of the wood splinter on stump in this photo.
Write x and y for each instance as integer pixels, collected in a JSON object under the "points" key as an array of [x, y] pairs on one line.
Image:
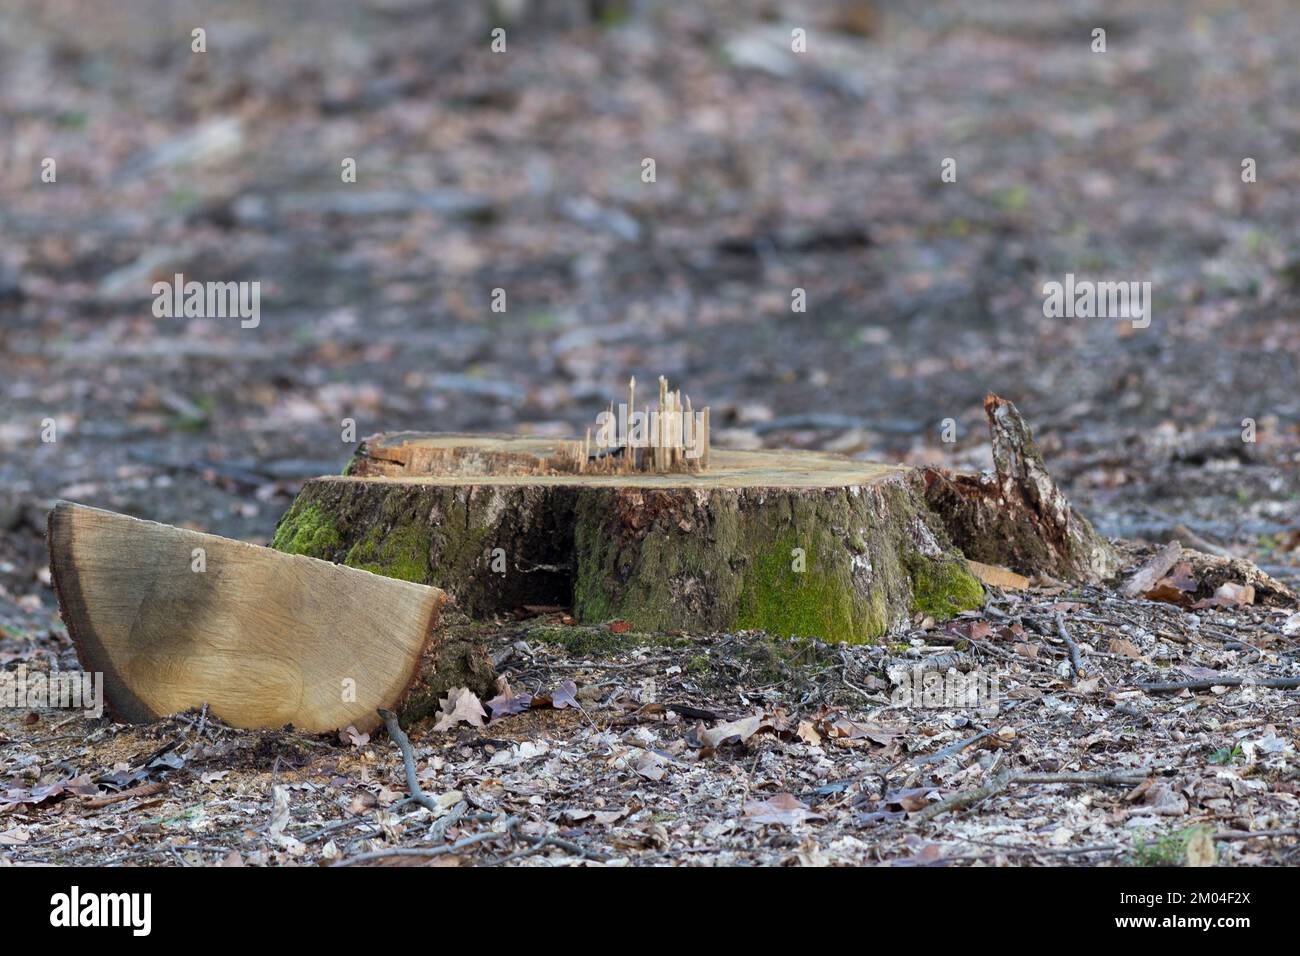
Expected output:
{"points": [[175, 619], [671, 438]]}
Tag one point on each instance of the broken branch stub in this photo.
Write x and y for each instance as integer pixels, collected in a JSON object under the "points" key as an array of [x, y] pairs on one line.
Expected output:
{"points": [[1017, 516]]}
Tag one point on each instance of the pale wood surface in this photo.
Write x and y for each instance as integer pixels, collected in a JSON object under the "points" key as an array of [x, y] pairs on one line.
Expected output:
{"points": [[454, 459], [263, 638], [997, 577]]}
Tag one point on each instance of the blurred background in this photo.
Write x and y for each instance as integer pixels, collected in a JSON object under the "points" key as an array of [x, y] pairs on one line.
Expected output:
{"points": [[522, 171]]}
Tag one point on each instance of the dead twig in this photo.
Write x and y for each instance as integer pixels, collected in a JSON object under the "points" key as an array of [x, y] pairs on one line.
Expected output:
{"points": [[1277, 683], [438, 832], [959, 801], [399, 737], [1076, 657], [485, 836], [1112, 778], [1006, 779], [143, 790], [947, 751], [568, 846], [510, 828], [1248, 835]]}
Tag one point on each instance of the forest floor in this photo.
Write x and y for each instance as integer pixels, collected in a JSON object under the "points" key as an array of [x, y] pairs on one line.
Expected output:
{"points": [[627, 748], [522, 171]]}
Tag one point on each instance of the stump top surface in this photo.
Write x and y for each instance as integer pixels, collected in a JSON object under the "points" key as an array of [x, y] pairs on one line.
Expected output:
{"points": [[453, 459]]}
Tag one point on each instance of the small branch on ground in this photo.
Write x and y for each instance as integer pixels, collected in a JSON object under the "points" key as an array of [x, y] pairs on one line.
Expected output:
{"points": [[438, 832], [1006, 779], [408, 759], [483, 837], [538, 843], [1076, 657], [966, 798], [1276, 683], [1112, 778]]}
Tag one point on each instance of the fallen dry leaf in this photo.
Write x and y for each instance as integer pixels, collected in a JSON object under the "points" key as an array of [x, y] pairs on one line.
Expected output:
{"points": [[651, 765], [783, 809], [1176, 587], [1124, 648], [842, 728], [736, 731], [1164, 800], [461, 705], [507, 702], [1228, 595], [349, 736], [972, 630], [519, 754], [602, 817], [808, 733], [565, 695]]}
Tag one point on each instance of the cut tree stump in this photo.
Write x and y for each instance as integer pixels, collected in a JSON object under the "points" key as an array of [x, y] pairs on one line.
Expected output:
{"points": [[792, 543], [175, 619]]}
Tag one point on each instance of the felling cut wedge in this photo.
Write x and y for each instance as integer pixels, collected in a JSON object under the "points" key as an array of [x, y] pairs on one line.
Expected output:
{"points": [[175, 619]]}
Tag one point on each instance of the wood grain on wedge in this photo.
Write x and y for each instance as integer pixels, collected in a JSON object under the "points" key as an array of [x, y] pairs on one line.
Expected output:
{"points": [[175, 619]]}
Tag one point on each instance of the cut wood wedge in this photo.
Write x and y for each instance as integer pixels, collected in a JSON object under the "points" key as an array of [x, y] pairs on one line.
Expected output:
{"points": [[175, 619]]}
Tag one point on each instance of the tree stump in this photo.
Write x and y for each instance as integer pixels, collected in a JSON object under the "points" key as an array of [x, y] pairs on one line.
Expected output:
{"points": [[792, 543]]}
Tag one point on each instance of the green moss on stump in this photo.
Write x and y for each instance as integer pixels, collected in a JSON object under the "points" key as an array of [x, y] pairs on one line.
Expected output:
{"points": [[725, 560], [944, 587], [780, 600], [396, 548], [402, 552], [695, 560], [305, 529]]}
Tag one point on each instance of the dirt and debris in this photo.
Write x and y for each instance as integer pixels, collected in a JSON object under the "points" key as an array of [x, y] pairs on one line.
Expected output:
{"points": [[734, 749]]}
